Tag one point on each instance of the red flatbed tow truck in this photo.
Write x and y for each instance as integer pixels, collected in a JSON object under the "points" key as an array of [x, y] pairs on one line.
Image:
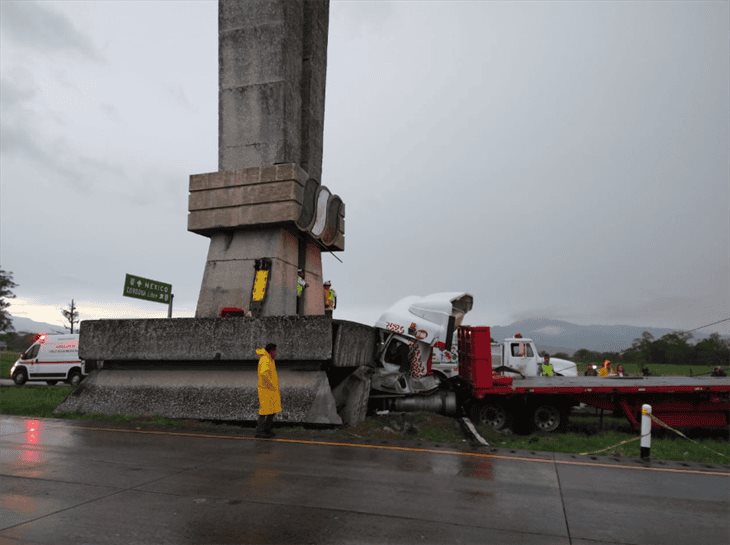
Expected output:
{"points": [[545, 402]]}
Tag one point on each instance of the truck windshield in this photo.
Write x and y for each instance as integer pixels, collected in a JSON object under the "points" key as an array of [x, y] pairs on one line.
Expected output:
{"points": [[397, 353], [522, 350], [31, 353]]}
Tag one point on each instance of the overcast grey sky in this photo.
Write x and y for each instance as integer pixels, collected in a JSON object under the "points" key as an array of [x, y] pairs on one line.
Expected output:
{"points": [[564, 160]]}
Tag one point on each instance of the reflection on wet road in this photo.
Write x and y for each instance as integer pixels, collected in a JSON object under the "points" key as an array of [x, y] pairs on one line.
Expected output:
{"points": [[61, 482]]}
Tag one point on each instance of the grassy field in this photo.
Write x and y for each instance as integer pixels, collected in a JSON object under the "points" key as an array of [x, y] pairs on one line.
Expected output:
{"points": [[32, 400], [660, 369], [583, 436], [7, 359]]}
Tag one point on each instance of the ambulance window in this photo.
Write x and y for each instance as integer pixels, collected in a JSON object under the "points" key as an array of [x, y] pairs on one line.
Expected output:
{"points": [[31, 353]]}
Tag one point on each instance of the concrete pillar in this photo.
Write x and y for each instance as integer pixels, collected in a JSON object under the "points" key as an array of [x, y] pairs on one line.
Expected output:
{"points": [[272, 71]]}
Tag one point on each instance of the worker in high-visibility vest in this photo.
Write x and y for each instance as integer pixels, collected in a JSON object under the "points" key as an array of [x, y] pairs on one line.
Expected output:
{"points": [[301, 285], [268, 388], [547, 367], [330, 298]]}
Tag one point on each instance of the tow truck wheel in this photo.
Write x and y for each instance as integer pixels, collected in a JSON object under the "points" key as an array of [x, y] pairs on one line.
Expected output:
{"points": [[493, 415], [548, 418], [74, 378], [20, 377]]}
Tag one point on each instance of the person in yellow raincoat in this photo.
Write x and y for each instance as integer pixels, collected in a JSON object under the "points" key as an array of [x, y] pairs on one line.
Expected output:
{"points": [[268, 386]]}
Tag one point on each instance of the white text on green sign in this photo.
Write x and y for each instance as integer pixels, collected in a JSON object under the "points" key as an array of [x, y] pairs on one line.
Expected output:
{"points": [[149, 290]]}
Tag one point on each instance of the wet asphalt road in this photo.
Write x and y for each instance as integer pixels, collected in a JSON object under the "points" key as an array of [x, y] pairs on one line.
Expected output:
{"points": [[64, 482]]}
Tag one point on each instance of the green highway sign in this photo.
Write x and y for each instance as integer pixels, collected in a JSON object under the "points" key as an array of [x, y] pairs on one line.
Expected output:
{"points": [[149, 290]]}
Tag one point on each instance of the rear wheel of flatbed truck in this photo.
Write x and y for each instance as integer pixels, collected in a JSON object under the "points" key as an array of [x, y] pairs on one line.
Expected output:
{"points": [[492, 414], [548, 417]]}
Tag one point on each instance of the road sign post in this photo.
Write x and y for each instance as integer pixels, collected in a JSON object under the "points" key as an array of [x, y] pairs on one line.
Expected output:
{"points": [[139, 287]]}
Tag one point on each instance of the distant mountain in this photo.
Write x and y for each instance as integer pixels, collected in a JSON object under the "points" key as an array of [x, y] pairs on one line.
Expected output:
{"points": [[26, 325], [560, 336]]}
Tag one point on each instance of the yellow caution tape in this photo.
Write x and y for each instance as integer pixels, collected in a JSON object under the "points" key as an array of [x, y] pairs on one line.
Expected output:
{"points": [[670, 428]]}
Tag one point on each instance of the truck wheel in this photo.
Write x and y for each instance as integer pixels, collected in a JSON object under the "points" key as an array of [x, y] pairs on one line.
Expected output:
{"points": [[74, 378], [20, 377], [548, 418], [51, 382], [491, 414]]}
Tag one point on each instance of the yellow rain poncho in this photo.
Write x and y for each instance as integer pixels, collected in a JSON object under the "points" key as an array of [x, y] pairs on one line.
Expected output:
{"points": [[269, 398]]}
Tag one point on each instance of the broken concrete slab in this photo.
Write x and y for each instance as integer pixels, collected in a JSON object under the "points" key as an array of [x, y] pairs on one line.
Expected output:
{"points": [[301, 338]]}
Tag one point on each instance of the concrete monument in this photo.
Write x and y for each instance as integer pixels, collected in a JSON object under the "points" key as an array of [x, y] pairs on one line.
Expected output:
{"points": [[266, 200], [265, 204]]}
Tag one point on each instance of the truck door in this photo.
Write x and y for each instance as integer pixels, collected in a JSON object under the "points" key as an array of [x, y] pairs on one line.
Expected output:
{"points": [[520, 355], [30, 357]]}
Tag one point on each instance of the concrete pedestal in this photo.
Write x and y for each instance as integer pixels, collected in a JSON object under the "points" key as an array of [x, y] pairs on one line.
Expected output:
{"points": [[229, 272]]}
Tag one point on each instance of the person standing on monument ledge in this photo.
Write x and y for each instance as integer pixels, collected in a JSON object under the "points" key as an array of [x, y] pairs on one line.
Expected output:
{"points": [[330, 298], [301, 285], [268, 386]]}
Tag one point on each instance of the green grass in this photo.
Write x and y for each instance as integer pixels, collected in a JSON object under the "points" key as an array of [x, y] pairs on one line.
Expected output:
{"points": [[409, 426], [584, 436], [7, 359], [660, 369], [138, 421], [32, 400]]}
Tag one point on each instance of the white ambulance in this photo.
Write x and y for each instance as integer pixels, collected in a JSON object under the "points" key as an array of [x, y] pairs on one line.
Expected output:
{"points": [[50, 358]]}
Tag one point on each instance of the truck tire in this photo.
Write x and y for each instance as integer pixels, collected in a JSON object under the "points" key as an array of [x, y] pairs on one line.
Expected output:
{"points": [[492, 414], [548, 417], [74, 377], [20, 377]]}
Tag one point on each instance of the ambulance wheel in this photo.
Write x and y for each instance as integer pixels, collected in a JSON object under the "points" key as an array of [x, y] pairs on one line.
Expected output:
{"points": [[51, 382], [491, 414], [548, 418], [74, 378], [20, 377]]}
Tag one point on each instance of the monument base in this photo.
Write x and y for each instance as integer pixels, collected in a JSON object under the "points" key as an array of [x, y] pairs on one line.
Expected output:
{"points": [[205, 368], [229, 272], [204, 393]]}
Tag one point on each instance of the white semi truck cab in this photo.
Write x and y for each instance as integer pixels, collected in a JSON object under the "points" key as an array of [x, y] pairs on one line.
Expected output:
{"points": [[408, 330], [515, 356], [518, 356]]}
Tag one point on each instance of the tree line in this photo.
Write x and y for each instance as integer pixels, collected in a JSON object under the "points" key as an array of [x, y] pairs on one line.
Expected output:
{"points": [[673, 347], [20, 341]]}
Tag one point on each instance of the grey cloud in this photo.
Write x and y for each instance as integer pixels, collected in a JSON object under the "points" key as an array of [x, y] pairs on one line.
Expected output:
{"points": [[77, 171], [177, 92], [38, 26], [14, 93]]}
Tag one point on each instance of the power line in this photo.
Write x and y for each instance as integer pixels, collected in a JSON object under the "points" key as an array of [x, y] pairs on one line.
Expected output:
{"points": [[708, 325]]}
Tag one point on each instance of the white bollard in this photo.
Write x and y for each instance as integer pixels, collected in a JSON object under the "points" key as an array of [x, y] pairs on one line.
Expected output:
{"points": [[645, 432]]}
